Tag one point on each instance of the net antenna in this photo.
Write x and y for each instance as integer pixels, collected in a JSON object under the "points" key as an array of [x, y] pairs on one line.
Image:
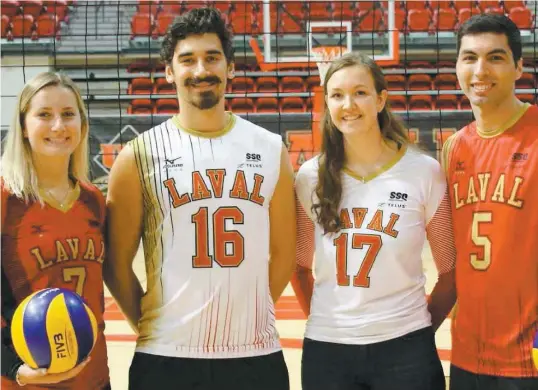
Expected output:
{"points": [[324, 56]]}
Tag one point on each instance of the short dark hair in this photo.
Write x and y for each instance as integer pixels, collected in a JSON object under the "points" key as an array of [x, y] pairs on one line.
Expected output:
{"points": [[205, 20], [496, 24]]}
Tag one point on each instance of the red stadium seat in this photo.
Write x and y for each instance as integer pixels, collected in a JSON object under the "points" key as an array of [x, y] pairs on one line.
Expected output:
{"points": [[10, 8], [32, 7], [498, 11], [370, 20], [137, 67], [396, 82], [509, 4], [292, 84], [292, 104], [243, 85], [140, 106], [522, 17], [140, 86], [162, 23], [294, 7], [419, 65], [141, 25], [445, 19], [398, 102], [47, 25], [242, 23], [148, 7], [420, 102], [419, 82], [461, 4], [368, 5], [245, 7], [242, 105], [57, 8], [410, 5], [6, 27], [466, 13], [290, 24], [446, 102], [440, 4], [267, 84], [22, 26], [166, 106], [267, 104], [163, 87], [311, 82], [526, 81], [445, 81], [341, 8], [400, 20], [171, 7], [222, 6], [418, 20], [527, 98], [464, 103]]}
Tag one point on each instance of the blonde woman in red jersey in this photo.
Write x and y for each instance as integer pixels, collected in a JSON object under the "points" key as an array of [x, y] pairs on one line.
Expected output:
{"points": [[492, 171], [52, 223]]}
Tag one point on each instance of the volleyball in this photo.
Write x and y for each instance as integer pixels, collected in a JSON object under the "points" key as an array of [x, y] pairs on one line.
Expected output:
{"points": [[535, 351], [54, 329]]}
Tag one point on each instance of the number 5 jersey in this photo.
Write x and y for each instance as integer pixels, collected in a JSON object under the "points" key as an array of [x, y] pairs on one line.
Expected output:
{"points": [[206, 240], [493, 183]]}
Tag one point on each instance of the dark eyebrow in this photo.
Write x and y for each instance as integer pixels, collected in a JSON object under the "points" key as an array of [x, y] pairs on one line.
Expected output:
{"points": [[190, 53], [50, 108], [354, 87], [494, 51]]}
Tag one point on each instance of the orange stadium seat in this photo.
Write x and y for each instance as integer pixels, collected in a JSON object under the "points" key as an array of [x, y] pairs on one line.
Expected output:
{"points": [[267, 105], [10, 8], [445, 81], [342, 8], [409, 5], [294, 7], [141, 25], [418, 20], [312, 81], [508, 5], [57, 8], [446, 102], [370, 20], [148, 7], [466, 13], [464, 103], [140, 86], [486, 4], [6, 27], [526, 81], [242, 22], [242, 105], [290, 24], [187, 5], [166, 106], [22, 26], [396, 82], [47, 25], [498, 11], [398, 102], [527, 98], [292, 104], [440, 4], [291, 84], [162, 23], [163, 87], [400, 21], [171, 7], [419, 82], [222, 6], [267, 84], [140, 106], [522, 17], [245, 7], [318, 10], [243, 85], [420, 102], [445, 19], [137, 67], [367, 5], [32, 7]]}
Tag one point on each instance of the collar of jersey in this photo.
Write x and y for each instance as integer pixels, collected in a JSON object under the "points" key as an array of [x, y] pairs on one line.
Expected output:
{"points": [[69, 202], [384, 168], [511, 122], [207, 134]]}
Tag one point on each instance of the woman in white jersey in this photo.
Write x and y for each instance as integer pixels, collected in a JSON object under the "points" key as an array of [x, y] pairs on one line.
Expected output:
{"points": [[366, 205]]}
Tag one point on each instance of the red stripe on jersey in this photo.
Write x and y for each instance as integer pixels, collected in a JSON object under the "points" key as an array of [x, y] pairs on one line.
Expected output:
{"points": [[440, 233]]}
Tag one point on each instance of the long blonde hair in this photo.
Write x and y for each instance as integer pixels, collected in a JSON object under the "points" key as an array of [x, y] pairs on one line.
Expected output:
{"points": [[18, 172]]}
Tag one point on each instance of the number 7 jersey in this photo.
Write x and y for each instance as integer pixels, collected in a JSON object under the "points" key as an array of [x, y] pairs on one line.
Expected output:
{"points": [[206, 240], [493, 184]]}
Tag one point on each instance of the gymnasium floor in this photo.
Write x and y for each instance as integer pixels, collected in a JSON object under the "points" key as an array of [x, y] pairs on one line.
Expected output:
{"points": [[290, 324]]}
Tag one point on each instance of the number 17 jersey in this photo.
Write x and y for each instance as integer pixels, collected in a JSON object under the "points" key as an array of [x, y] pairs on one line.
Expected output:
{"points": [[206, 240]]}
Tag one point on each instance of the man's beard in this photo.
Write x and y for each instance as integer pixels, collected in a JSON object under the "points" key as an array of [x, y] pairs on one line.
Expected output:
{"points": [[207, 100]]}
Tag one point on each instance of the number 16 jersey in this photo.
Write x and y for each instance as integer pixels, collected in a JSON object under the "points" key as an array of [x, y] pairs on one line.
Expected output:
{"points": [[206, 240]]}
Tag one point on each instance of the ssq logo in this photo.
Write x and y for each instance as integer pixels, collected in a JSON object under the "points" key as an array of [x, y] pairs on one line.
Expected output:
{"points": [[399, 196], [254, 157]]}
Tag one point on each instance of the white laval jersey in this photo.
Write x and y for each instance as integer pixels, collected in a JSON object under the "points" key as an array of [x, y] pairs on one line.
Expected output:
{"points": [[206, 240], [369, 282]]}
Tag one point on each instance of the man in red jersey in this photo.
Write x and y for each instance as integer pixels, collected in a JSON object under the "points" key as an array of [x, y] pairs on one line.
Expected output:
{"points": [[492, 172]]}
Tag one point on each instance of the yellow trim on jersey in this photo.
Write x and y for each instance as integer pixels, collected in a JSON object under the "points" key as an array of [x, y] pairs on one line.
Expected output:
{"points": [[208, 134], [384, 168], [69, 202], [447, 150], [506, 126]]}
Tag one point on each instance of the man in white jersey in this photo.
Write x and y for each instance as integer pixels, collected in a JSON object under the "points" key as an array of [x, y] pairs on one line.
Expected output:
{"points": [[212, 197]]}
